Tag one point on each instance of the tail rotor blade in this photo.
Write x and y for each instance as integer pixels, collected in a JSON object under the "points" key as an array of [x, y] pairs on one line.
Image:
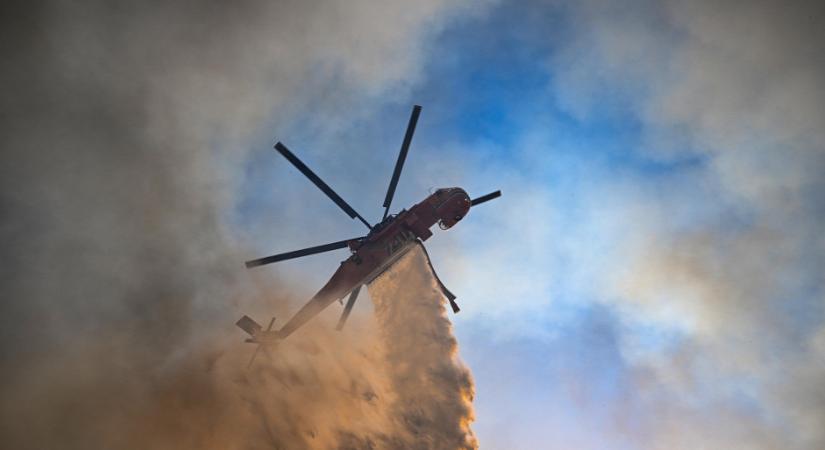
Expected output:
{"points": [[258, 348], [298, 253], [402, 156], [485, 198], [348, 308], [254, 355], [319, 182]]}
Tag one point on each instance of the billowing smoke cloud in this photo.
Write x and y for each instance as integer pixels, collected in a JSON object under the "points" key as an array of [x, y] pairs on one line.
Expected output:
{"points": [[122, 129], [392, 381], [724, 255]]}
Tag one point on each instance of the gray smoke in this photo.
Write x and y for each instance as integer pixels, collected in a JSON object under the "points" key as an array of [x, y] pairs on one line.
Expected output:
{"points": [[726, 256], [123, 126]]}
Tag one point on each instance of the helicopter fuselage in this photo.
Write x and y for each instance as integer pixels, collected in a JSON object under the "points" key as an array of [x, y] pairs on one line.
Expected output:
{"points": [[372, 254], [385, 244]]}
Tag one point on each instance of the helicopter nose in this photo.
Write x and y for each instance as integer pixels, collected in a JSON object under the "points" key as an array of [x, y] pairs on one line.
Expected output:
{"points": [[454, 208]]}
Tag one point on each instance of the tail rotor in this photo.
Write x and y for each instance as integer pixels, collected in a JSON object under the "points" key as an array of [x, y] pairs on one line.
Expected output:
{"points": [[259, 335]]}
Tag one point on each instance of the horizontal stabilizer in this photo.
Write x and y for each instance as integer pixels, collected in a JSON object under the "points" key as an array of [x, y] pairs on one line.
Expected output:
{"points": [[250, 326]]}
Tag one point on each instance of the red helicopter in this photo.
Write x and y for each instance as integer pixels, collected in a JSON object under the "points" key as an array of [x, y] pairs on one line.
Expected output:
{"points": [[372, 254]]}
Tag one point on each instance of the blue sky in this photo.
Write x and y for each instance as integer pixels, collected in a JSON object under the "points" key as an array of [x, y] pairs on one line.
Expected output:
{"points": [[492, 82]]}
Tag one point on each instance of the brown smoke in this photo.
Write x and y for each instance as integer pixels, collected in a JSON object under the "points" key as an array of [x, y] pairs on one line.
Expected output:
{"points": [[390, 382], [124, 129]]}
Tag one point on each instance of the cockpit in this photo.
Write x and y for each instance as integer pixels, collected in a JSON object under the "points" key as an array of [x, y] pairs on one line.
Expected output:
{"points": [[451, 205]]}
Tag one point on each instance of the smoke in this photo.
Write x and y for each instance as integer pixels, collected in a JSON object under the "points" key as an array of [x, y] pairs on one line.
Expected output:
{"points": [[391, 382], [124, 129], [723, 254]]}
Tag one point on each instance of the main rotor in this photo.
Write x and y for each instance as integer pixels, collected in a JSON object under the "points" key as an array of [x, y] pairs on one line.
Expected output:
{"points": [[349, 210]]}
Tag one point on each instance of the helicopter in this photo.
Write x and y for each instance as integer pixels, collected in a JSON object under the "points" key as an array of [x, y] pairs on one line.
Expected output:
{"points": [[372, 254]]}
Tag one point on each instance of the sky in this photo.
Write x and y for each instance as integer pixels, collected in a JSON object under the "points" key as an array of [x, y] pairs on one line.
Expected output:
{"points": [[652, 276]]}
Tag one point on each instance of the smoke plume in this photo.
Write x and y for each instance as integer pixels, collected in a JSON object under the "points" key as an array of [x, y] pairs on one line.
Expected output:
{"points": [[392, 382], [726, 255], [389, 382], [123, 131]]}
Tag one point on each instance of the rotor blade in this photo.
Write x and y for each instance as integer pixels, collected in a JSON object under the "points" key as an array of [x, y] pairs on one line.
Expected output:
{"points": [[348, 308], [298, 253], [485, 198], [319, 182], [402, 156]]}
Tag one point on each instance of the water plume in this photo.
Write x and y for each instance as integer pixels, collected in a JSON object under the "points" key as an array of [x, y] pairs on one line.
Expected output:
{"points": [[434, 389], [392, 381]]}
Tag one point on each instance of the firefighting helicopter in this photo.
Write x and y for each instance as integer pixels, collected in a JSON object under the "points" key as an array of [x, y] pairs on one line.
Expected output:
{"points": [[373, 253]]}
